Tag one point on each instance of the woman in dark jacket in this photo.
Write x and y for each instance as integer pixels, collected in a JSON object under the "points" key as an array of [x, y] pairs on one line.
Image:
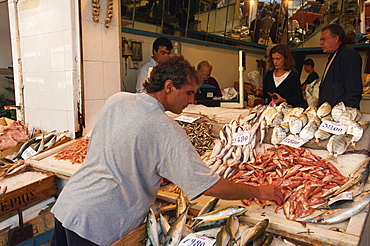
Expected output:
{"points": [[282, 83]]}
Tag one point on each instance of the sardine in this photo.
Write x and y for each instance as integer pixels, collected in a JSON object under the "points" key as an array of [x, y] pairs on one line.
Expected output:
{"points": [[210, 223], [226, 211], [174, 234], [152, 227]]}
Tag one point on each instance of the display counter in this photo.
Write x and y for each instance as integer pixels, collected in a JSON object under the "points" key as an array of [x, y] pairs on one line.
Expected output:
{"points": [[353, 231]]}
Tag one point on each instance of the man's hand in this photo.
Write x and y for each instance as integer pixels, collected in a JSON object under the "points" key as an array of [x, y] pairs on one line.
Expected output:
{"points": [[271, 193]]}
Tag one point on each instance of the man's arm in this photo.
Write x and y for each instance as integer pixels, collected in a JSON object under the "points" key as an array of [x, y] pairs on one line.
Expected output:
{"points": [[228, 190]]}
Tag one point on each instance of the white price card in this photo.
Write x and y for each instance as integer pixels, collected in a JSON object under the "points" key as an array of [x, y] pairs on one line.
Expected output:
{"points": [[241, 138], [186, 119], [341, 196], [333, 127], [293, 141], [28, 153], [197, 240]]}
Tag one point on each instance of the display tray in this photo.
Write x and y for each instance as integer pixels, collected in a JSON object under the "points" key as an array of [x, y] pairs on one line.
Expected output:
{"points": [[353, 228], [28, 195], [46, 162]]}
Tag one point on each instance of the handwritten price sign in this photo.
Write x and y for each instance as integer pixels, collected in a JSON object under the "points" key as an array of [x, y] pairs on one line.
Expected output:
{"points": [[293, 141], [333, 127], [197, 240], [241, 138], [28, 153]]}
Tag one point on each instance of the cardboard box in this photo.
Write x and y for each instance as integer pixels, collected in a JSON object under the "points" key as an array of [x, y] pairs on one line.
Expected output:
{"points": [[253, 100], [28, 195]]}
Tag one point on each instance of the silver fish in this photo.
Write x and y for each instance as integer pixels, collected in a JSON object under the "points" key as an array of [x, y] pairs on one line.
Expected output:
{"points": [[152, 227], [174, 235], [322, 135], [222, 238], [232, 225], [356, 130], [345, 118], [324, 110], [337, 145], [337, 110], [278, 134], [360, 174], [254, 232], [295, 125], [308, 132], [226, 211], [344, 211], [210, 223]]}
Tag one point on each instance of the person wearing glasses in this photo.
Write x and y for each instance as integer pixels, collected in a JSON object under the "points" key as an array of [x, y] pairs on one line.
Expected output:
{"points": [[282, 83], [162, 47]]}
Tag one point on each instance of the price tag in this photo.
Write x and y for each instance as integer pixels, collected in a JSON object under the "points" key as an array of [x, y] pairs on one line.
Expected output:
{"points": [[209, 94], [197, 240], [333, 127], [186, 119], [28, 153], [241, 138], [293, 141], [341, 196]]}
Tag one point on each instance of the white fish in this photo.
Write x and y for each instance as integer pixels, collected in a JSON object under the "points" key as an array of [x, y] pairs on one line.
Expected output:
{"points": [[263, 129], [174, 235], [278, 134], [345, 118], [337, 110], [295, 125], [337, 145], [356, 130], [322, 135], [308, 132], [152, 227], [324, 110]]}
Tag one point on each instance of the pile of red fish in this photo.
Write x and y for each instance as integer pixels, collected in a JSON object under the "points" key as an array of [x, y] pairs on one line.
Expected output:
{"points": [[305, 179]]}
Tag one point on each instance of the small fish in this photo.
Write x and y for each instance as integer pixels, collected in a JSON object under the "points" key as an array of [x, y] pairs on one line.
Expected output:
{"points": [[232, 225], [278, 135], [222, 238], [210, 223], [295, 125], [345, 118], [308, 132], [337, 110], [174, 234], [337, 145], [360, 174], [226, 211], [356, 131], [152, 227], [321, 135], [324, 110], [254, 232], [344, 211]]}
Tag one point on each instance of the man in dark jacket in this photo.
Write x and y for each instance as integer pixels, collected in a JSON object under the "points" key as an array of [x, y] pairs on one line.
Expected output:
{"points": [[341, 81]]}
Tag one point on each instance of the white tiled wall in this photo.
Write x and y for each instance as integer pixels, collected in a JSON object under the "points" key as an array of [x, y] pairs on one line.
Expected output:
{"points": [[49, 48], [101, 58], [49, 61]]}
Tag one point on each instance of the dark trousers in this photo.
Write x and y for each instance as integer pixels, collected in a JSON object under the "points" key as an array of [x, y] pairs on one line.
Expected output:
{"points": [[65, 237]]}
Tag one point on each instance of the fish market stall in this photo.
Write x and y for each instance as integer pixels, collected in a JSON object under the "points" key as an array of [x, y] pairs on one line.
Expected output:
{"points": [[63, 160], [352, 231]]}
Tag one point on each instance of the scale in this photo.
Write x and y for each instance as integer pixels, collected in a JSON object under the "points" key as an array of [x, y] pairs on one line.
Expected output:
{"points": [[241, 103]]}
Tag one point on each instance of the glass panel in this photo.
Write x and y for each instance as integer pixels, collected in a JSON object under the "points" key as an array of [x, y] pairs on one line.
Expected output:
{"points": [[223, 21]]}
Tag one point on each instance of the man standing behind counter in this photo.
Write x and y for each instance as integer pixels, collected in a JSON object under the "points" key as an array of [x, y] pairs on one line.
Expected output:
{"points": [[162, 47], [205, 70], [128, 155], [341, 81]]}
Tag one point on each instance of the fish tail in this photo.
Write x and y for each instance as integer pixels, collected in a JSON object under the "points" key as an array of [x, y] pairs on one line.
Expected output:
{"points": [[332, 158]]}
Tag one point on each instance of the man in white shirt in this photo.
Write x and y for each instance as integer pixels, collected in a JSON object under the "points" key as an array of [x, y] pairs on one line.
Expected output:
{"points": [[162, 46]]}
